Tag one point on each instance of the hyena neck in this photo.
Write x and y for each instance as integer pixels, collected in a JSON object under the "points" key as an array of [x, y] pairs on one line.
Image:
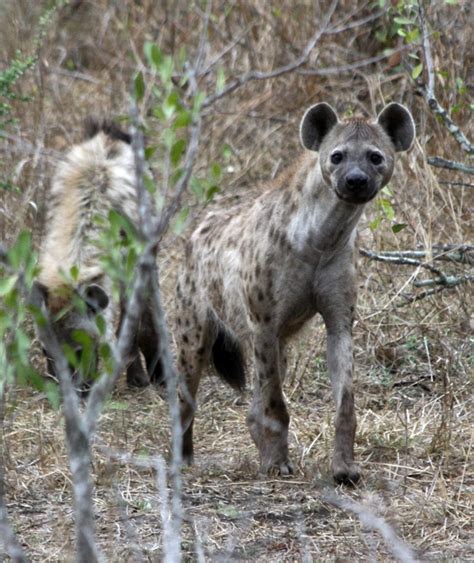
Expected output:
{"points": [[323, 223]]}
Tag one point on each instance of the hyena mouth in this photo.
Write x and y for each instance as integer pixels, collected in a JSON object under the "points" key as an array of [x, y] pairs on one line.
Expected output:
{"points": [[359, 197]]}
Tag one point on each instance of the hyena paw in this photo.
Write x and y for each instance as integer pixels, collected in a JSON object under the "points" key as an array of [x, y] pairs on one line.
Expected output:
{"points": [[345, 473], [278, 469]]}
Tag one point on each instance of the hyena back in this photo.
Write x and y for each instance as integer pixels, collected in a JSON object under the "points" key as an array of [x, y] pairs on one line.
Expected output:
{"points": [[96, 176], [256, 273]]}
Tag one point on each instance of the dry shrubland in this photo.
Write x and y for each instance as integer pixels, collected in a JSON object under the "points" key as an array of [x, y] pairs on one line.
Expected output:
{"points": [[413, 353]]}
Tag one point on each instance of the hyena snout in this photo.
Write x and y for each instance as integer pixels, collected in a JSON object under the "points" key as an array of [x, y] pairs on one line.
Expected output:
{"points": [[356, 180], [356, 186]]}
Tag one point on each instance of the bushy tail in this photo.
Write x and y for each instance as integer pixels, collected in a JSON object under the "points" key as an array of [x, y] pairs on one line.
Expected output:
{"points": [[228, 359]]}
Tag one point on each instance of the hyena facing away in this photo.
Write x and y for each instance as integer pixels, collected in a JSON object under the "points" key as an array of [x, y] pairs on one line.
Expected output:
{"points": [[96, 176], [256, 273]]}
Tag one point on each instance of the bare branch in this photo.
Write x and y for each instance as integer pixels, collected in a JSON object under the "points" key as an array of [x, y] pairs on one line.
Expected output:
{"points": [[447, 281], [7, 535], [404, 260], [429, 89], [399, 549], [449, 253], [294, 65], [456, 184], [328, 71], [440, 162], [78, 442]]}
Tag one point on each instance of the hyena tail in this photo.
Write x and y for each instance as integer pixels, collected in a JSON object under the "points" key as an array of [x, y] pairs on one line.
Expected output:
{"points": [[228, 359]]}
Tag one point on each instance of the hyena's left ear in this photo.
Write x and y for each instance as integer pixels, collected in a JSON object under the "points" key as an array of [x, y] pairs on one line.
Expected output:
{"points": [[96, 298], [398, 123], [316, 124]]}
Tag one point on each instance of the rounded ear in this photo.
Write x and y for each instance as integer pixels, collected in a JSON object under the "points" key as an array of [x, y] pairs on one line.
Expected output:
{"points": [[38, 295], [317, 121], [95, 298], [398, 123]]}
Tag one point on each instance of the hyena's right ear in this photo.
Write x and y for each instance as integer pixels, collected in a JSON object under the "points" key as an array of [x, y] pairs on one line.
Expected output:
{"points": [[317, 121]]}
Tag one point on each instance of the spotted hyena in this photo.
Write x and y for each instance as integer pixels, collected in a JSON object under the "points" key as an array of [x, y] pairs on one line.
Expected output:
{"points": [[96, 176], [254, 274]]}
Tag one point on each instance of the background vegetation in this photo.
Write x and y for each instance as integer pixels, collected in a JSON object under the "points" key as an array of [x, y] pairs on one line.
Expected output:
{"points": [[413, 335]]}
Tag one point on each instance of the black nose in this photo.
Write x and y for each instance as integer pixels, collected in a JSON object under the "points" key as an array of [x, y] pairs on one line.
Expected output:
{"points": [[356, 180]]}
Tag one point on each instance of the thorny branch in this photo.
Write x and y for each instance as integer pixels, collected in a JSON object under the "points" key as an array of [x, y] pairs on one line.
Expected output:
{"points": [[429, 89]]}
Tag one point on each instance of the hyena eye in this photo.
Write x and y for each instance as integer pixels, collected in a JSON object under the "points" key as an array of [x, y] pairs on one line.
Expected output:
{"points": [[336, 157], [376, 158]]}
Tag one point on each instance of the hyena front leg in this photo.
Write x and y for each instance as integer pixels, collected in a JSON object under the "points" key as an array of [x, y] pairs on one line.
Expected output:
{"points": [[338, 321], [268, 418]]}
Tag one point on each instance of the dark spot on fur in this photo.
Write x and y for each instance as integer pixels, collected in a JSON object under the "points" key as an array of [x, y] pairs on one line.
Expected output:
{"points": [[205, 229], [267, 318], [178, 321], [185, 339], [201, 351], [260, 295], [257, 270], [263, 358]]}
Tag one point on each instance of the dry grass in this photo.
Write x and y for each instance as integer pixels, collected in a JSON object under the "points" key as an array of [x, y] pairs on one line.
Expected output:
{"points": [[413, 363]]}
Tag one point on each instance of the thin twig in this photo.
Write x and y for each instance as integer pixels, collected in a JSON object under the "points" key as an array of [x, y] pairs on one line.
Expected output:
{"points": [[294, 65], [328, 71], [429, 89], [399, 549]]}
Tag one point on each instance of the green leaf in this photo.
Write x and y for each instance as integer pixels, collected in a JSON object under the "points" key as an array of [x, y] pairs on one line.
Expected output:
{"points": [[139, 84], [153, 54], [220, 80], [402, 21], [211, 192], [412, 35], [150, 151], [398, 227], [165, 69], [7, 284], [74, 272], [177, 151], [179, 222], [416, 71], [216, 172], [375, 223], [387, 208], [53, 394], [183, 119]]}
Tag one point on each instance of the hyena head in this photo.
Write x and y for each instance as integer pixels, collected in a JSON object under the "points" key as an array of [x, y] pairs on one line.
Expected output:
{"points": [[73, 316], [357, 156]]}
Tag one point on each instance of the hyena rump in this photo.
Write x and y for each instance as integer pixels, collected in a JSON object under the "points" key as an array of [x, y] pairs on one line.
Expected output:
{"points": [[256, 273], [96, 176]]}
